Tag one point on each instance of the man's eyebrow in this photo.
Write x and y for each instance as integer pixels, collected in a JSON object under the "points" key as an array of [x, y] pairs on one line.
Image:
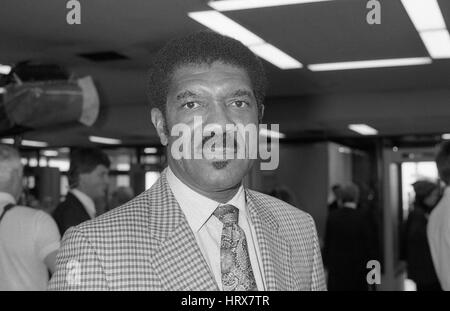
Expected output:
{"points": [[242, 93], [185, 94]]}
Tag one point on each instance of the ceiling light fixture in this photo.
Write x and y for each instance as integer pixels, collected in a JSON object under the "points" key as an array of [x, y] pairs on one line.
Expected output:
{"points": [[363, 129], [105, 140], [377, 63], [227, 5], [270, 133]]}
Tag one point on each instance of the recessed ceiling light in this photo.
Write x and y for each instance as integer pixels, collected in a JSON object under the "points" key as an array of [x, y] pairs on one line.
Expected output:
{"points": [[425, 15], [446, 136], [275, 56], [33, 143], [363, 129], [5, 69], [437, 43], [50, 153], [150, 150], [225, 26], [9, 141], [227, 5], [270, 133], [2, 90], [105, 140], [394, 62]]}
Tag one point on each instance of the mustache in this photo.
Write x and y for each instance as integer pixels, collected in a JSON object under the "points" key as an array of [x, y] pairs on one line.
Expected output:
{"points": [[225, 137]]}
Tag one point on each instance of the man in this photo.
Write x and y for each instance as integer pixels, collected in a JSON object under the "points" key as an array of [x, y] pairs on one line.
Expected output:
{"points": [[438, 228], [337, 201], [198, 228], [350, 242], [29, 238], [88, 182]]}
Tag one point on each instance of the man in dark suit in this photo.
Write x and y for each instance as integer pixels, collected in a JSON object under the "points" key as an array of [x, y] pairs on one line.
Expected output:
{"points": [[88, 181], [198, 227]]}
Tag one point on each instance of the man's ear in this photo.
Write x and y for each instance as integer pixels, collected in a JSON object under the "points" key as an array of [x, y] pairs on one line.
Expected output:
{"points": [[159, 124]]}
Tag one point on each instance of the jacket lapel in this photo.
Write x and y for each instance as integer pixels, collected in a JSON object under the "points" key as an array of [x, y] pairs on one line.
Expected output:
{"points": [[177, 260], [275, 250]]}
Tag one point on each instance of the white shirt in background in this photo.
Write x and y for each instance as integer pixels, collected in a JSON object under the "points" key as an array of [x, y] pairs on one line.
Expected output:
{"points": [[27, 237], [438, 231], [87, 202], [207, 229]]}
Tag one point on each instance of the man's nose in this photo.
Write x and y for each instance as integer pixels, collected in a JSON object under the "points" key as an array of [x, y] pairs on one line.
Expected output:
{"points": [[218, 114]]}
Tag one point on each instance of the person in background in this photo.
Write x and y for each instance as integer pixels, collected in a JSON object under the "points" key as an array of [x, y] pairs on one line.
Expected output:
{"points": [[418, 257], [350, 242], [120, 196], [88, 182], [29, 238], [438, 228], [336, 202]]}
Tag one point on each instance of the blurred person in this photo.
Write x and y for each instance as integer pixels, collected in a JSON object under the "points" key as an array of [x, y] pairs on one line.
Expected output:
{"points": [[120, 195], [198, 227], [350, 242], [29, 238], [418, 257], [438, 228], [336, 200], [88, 182]]}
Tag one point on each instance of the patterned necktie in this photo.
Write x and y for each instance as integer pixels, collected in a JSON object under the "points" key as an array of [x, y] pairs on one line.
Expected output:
{"points": [[237, 274]]}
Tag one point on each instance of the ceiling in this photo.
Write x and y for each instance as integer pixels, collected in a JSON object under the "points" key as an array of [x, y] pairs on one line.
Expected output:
{"points": [[300, 100]]}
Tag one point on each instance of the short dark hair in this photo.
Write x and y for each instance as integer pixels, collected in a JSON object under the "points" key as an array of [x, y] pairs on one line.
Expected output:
{"points": [[203, 47], [443, 162], [85, 160]]}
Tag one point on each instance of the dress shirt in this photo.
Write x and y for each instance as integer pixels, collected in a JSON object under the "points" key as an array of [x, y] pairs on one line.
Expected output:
{"points": [[207, 229], [438, 231], [87, 202]]}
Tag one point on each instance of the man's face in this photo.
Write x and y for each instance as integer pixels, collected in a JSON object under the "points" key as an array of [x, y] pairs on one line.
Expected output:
{"points": [[95, 183], [220, 94]]}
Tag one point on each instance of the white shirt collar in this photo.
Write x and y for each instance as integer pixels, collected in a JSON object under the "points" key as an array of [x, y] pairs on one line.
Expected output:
{"points": [[87, 202], [6, 198], [196, 207]]}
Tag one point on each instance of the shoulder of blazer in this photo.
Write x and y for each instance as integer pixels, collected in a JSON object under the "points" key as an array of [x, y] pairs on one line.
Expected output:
{"points": [[286, 215]]}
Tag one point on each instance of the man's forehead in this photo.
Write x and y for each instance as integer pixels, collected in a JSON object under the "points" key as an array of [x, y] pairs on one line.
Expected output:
{"points": [[193, 69]]}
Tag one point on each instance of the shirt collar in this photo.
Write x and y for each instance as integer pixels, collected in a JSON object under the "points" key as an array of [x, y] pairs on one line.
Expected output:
{"points": [[196, 207], [87, 202], [6, 198]]}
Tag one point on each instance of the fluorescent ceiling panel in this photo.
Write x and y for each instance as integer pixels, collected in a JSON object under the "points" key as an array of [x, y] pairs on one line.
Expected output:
{"points": [[424, 14], [231, 5], [105, 140], [437, 43], [363, 129], [275, 56], [394, 62]]}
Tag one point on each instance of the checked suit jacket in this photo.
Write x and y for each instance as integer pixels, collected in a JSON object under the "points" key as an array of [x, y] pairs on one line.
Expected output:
{"points": [[147, 244]]}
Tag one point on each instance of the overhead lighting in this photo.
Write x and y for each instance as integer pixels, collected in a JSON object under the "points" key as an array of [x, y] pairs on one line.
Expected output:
{"points": [[270, 133], [227, 5], [64, 150], [2, 90], [50, 153], [9, 141], [437, 43], [5, 69], [344, 150], [225, 26], [446, 136], [363, 129], [105, 140], [275, 56], [123, 166], [394, 62], [150, 150], [425, 15], [33, 143]]}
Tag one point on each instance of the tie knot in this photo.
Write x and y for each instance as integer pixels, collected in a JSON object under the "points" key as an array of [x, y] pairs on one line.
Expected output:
{"points": [[227, 214]]}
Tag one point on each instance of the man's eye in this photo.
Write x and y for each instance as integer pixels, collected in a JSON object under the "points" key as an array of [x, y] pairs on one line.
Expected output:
{"points": [[239, 104], [191, 105]]}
